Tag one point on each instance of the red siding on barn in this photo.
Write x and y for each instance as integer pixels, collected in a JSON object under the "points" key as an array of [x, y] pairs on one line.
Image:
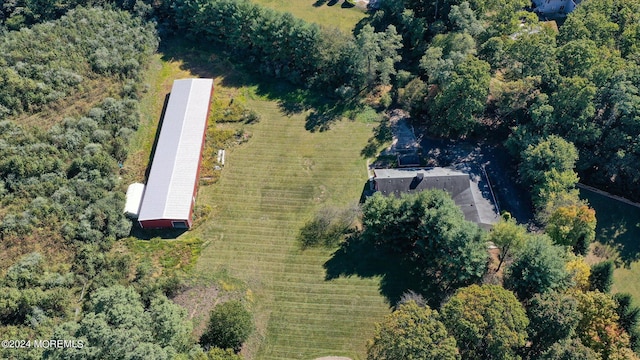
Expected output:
{"points": [[156, 224]]}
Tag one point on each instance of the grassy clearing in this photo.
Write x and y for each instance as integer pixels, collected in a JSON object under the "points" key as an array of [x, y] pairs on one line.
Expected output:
{"points": [[619, 227], [329, 14], [169, 256], [269, 188]]}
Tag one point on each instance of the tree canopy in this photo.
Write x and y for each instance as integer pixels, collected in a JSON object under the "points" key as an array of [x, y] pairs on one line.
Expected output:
{"points": [[538, 268], [487, 322], [429, 230], [230, 324], [117, 325], [414, 333]]}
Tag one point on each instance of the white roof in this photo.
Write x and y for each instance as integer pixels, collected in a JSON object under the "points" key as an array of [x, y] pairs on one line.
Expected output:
{"points": [[174, 169], [134, 198]]}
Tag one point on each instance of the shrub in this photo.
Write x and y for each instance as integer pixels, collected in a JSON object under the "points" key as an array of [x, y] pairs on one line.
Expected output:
{"points": [[327, 227], [230, 324]]}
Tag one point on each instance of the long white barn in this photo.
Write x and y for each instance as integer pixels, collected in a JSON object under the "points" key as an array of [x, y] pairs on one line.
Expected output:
{"points": [[170, 193]]}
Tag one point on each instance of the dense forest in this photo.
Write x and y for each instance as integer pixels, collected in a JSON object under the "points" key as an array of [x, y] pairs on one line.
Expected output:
{"points": [[564, 101]]}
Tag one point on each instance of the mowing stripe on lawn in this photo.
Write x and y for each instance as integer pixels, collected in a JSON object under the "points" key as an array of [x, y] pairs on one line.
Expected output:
{"points": [[269, 187]]}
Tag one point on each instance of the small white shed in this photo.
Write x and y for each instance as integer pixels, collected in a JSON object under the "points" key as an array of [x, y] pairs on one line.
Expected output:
{"points": [[134, 199]]}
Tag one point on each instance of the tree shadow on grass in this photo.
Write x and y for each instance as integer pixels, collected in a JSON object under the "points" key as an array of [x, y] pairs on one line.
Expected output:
{"points": [[618, 225], [381, 134], [347, 5], [357, 258], [203, 60]]}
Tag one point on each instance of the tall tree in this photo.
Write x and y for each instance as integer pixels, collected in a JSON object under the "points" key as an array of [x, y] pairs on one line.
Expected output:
{"points": [[454, 108], [412, 333], [553, 317], [509, 237], [569, 349], [601, 277], [552, 153], [428, 230], [378, 54], [538, 268], [573, 225], [580, 272], [599, 328], [487, 321], [118, 326], [629, 318]]}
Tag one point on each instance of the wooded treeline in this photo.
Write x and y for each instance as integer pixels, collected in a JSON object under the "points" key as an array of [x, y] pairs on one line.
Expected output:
{"points": [[61, 200], [480, 66]]}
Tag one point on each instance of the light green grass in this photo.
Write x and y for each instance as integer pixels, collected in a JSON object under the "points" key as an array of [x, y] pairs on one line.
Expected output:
{"points": [[334, 16], [268, 189], [619, 227]]}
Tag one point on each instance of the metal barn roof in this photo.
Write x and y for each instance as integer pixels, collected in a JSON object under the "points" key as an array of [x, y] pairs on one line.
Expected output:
{"points": [[174, 170]]}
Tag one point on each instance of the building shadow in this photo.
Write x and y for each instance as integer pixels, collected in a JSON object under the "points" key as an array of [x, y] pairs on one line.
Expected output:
{"points": [[148, 234], [155, 139]]}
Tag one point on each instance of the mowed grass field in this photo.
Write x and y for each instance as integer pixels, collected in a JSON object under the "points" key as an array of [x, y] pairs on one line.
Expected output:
{"points": [[269, 187], [319, 12]]}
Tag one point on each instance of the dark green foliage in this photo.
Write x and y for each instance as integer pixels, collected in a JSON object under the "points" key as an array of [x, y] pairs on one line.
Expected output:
{"points": [[569, 349], [629, 318], [601, 277], [533, 53], [328, 227], [40, 65], [537, 269], [487, 322], [412, 333], [230, 324], [552, 153], [453, 110], [429, 231], [552, 318], [279, 45], [118, 325]]}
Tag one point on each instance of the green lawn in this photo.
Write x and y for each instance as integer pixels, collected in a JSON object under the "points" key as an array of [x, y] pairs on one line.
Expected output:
{"points": [[268, 188], [319, 12], [619, 226]]}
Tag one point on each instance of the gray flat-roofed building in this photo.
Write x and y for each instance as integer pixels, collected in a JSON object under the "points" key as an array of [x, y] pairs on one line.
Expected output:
{"points": [[473, 198], [171, 187]]}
